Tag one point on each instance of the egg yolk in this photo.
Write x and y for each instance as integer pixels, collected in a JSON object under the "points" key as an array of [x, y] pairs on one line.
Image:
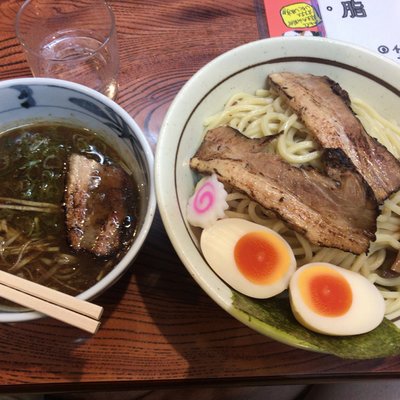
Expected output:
{"points": [[261, 258], [326, 292]]}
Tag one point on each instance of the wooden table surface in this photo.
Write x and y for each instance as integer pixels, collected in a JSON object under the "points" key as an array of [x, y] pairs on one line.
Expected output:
{"points": [[159, 327]]}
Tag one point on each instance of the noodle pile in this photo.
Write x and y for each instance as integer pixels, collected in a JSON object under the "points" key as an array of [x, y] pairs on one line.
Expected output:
{"points": [[266, 114]]}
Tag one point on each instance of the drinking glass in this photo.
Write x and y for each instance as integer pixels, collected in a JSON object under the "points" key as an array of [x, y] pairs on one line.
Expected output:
{"points": [[71, 40]]}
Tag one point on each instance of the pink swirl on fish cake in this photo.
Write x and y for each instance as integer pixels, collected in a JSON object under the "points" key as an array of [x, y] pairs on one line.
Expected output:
{"points": [[208, 203], [204, 198]]}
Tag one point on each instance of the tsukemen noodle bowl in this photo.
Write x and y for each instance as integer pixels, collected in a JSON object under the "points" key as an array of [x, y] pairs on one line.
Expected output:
{"points": [[76, 192], [217, 121]]}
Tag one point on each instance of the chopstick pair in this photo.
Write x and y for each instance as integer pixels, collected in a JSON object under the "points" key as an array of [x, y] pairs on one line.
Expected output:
{"points": [[66, 308]]}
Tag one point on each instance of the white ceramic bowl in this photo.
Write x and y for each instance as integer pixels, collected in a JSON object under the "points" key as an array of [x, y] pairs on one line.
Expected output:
{"points": [[27, 100], [360, 72]]}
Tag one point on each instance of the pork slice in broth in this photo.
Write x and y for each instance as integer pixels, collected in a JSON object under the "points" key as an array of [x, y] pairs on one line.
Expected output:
{"points": [[95, 202]]}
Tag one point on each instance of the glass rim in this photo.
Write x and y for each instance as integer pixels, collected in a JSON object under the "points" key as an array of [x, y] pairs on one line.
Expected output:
{"points": [[29, 49]]}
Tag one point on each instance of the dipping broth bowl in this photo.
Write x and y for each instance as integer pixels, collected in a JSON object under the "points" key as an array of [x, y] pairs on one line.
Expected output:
{"points": [[28, 101]]}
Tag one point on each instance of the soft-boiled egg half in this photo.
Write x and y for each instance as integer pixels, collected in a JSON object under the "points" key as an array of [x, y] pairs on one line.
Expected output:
{"points": [[329, 299], [251, 258]]}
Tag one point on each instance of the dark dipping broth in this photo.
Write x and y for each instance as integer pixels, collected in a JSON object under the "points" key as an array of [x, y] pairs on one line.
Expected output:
{"points": [[34, 244]]}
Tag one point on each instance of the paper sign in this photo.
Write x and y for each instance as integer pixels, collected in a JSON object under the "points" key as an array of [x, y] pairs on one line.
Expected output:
{"points": [[373, 24]]}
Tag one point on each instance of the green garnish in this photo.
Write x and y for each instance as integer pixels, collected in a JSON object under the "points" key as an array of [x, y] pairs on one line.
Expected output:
{"points": [[274, 318]]}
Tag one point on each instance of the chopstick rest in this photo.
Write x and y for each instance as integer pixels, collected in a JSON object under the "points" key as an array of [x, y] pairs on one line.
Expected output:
{"points": [[66, 308]]}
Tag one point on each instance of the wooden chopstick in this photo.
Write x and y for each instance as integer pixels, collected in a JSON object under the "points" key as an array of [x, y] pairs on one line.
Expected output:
{"points": [[53, 303], [51, 295]]}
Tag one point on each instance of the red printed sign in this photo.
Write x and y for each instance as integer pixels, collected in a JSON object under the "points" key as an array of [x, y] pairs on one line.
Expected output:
{"points": [[292, 18]]}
